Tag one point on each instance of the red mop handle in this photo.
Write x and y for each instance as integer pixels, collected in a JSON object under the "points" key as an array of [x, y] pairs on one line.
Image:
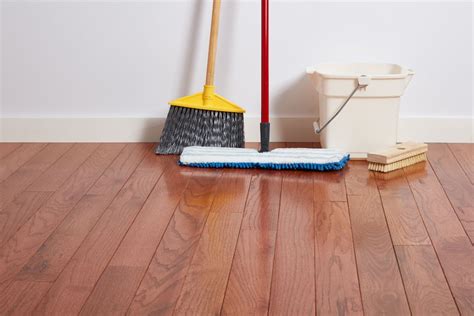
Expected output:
{"points": [[264, 87], [265, 119]]}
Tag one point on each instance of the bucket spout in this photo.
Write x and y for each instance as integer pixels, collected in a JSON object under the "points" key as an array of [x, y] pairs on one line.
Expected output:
{"points": [[409, 76]]}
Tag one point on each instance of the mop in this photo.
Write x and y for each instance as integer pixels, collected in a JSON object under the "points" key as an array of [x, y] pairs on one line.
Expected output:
{"points": [[279, 159]]}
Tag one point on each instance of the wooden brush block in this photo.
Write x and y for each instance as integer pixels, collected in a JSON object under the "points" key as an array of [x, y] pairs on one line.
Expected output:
{"points": [[398, 152]]}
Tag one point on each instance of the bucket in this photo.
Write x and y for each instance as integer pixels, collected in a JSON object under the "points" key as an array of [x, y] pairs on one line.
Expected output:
{"points": [[358, 105]]}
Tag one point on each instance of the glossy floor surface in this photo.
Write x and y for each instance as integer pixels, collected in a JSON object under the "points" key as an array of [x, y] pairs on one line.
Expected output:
{"points": [[110, 229]]}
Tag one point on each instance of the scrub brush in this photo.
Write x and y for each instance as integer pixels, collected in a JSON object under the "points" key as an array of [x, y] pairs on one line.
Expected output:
{"points": [[397, 157]]}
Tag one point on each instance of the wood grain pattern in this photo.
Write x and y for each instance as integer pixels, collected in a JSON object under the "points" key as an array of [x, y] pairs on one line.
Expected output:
{"points": [[21, 297], [113, 229], [358, 180], [380, 281], [113, 295], [17, 251], [329, 186], [248, 290], [26, 174], [52, 256], [464, 154], [379, 276], [8, 148], [77, 280], [337, 284], [62, 169], [440, 219], [47, 262], [117, 279], [293, 288], [456, 184], [10, 163], [453, 247], [113, 179], [165, 276], [204, 288], [403, 218], [17, 212], [427, 290]]}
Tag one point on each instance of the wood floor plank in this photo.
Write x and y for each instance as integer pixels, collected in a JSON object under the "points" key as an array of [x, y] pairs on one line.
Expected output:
{"points": [[117, 278], [10, 163], [329, 186], [17, 251], [273, 145], [17, 212], [118, 284], [8, 148], [337, 284], [21, 297], [18, 181], [379, 276], [464, 154], [403, 218], [51, 258], [122, 234], [293, 288], [114, 178], [380, 281], [299, 144], [427, 290], [163, 281], [358, 180], [248, 291], [53, 255], [456, 184], [204, 288], [53, 178], [453, 247], [439, 216], [71, 289], [252, 145]]}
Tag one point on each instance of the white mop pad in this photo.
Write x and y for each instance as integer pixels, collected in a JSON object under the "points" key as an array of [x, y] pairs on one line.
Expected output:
{"points": [[281, 158]]}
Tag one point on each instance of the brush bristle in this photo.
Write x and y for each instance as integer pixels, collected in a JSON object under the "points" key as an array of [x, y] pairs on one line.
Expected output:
{"points": [[398, 164], [193, 127]]}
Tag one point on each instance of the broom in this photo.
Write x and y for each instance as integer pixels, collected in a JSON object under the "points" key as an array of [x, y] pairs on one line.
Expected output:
{"points": [[205, 118]]}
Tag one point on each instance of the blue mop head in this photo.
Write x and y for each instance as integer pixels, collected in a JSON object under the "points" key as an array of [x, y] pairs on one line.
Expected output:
{"points": [[280, 159]]}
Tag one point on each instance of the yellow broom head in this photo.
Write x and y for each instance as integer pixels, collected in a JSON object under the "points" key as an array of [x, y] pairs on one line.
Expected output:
{"points": [[207, 100]]}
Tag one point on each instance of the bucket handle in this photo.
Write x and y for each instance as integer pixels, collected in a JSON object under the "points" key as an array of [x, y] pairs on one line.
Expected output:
{"points": [[362, 82]]}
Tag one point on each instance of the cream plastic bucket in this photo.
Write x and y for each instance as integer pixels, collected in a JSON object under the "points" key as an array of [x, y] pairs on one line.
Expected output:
{"points": [[369, 120]]}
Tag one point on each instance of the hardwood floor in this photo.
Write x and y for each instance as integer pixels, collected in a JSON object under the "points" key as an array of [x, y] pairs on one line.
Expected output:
{"points": [[112, 229]]}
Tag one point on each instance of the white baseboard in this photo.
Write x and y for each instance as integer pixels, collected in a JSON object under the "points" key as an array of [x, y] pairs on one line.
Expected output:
{"points": [[436, 129], [298, 129]]}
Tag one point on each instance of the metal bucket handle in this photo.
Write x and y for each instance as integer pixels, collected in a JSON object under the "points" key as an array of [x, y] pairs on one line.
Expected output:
{"points": [[362, 82]]}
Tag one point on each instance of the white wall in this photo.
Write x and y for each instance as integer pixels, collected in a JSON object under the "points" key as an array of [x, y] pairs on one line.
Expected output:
{"points": [[128, 58]]}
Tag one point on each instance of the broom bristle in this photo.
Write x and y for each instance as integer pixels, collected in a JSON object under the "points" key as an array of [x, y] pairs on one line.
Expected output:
{"points": [[379, 167], [193, 127]]}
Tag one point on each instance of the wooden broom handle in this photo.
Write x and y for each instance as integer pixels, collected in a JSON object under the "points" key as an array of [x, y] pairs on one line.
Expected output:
{"points": [[211, 57]]}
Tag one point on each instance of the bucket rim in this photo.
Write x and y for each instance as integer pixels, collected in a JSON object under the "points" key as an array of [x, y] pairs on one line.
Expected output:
{"points": [[404, 71]]}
